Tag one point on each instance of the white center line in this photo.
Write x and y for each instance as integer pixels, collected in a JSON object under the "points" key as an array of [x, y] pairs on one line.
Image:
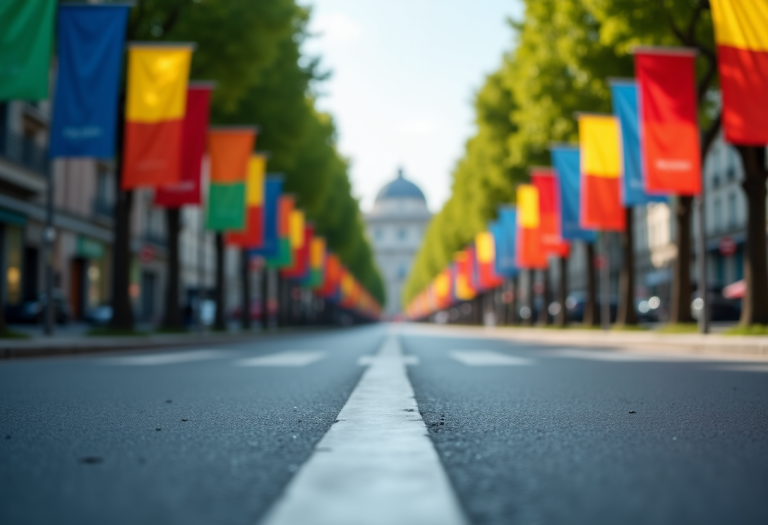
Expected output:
{"points": [[488, 358], [376, 465], [292, 358], [164, 359]]}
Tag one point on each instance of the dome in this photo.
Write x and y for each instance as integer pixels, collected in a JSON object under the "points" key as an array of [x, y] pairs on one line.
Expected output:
{"points": [[400, 188]]}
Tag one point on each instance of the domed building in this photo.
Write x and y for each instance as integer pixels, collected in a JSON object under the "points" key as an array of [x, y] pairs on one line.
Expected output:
{"points": [[395, 227]]}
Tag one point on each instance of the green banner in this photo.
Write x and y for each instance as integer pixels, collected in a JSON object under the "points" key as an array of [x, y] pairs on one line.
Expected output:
{"points": [[225, 208], [89, 249], [26, 42], [284, 257]]}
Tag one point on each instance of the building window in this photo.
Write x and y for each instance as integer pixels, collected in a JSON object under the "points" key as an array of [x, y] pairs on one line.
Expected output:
{"points": [[401, 234], [378, 233], [732, 210]]}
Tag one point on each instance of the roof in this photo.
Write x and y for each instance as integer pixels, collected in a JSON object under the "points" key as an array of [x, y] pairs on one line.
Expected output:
{"points": [[400, 188]]}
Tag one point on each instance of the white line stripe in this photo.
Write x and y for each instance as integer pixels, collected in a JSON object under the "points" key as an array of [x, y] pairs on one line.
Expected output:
{"points": [[756, 367], [368, 360], [164, 359], [292, 358], [607, 355], [376, 465], [488, 358]]}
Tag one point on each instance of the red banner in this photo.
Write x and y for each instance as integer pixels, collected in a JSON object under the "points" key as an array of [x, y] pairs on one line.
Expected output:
{"points": [[194, 134], [549, 211], [671, 150]]}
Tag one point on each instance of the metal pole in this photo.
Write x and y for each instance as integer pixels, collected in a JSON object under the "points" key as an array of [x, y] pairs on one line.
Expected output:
{"points": [[200, 271], [701, 265], [49, 236], [605, 284]]}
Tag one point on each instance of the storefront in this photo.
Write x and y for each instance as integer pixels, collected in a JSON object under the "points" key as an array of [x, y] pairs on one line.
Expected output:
{"points": [[87, 271], [12, 257]]}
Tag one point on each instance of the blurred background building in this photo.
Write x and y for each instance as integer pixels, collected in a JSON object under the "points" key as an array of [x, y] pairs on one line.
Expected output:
{"points": [[395, 228]]}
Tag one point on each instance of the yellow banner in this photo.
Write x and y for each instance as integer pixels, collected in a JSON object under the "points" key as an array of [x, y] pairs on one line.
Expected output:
{"points": [[599, 142], [486, 249], [528, 206], [257, 167], [297, 229], [741, 23], [317, 252], [157, 83]]}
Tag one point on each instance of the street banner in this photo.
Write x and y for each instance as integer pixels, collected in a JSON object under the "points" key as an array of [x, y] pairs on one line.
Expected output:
{"points": [[229, 152], [273, 188], [253, 234], [331, 276], [90, 44], [529, 250], [742, 58], [625, 99], [194, 133], [26, 42], [300, 267], [442, 287], [346, 289], [669, 140], [284, 256], [463, 280], [601, 207], [297, 229], [154, 114], [317, 258], [549, 211], [485, 251], [567, 163], [504, 234]]}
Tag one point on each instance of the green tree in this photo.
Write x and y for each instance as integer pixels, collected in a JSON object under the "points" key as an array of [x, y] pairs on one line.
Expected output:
{"points": [[213, 24]]}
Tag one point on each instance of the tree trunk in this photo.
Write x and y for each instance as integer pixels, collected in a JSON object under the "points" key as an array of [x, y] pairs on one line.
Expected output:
{"points": [[245, 303], [122, 314], [590, 304], [754, 305], [173, 229], [627, 316], [544, 311], [561, 319], [680, 309], [220, 323], [264, 297], [529, 299]]}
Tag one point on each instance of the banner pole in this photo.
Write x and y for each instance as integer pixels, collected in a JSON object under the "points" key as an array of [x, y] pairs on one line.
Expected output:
{"points": [[605, 285], [701, 264]]}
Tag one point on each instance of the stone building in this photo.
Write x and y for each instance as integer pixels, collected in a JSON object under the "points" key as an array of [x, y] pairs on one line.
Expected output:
{"points": [[395, 226]]}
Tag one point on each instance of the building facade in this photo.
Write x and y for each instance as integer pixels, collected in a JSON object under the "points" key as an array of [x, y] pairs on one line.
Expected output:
{"points": [[83, 198], [395, 227]]}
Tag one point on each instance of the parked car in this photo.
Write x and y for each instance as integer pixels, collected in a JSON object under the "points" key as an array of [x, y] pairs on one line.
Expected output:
{"points": [[255, 311], [33, 311], [100, 315]]}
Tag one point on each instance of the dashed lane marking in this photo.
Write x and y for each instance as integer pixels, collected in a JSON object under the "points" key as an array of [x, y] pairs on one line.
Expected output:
{"points": [[290, 358], [488, 358], [368, 360], [169, 358], [376, 465]]}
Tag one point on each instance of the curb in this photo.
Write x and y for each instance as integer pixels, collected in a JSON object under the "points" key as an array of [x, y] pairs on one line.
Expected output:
{"points": [[90, 345]]}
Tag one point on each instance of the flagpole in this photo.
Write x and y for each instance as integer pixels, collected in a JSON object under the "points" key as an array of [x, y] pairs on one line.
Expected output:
{"points": [[605, 307], [701, 264]]}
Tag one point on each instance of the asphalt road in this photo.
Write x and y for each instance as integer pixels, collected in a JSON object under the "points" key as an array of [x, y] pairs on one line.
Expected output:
{"points": [[526, 434]]}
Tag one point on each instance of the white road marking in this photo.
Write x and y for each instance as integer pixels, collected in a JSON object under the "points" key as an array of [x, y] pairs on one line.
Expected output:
{"points": [[376, 465], [368, 360], [488, 358], [164, 359], [609, 355], [290, 358], [746, 367]]}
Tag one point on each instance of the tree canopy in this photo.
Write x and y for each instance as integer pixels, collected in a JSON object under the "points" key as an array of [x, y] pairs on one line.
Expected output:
{"points": [[563, 52]]}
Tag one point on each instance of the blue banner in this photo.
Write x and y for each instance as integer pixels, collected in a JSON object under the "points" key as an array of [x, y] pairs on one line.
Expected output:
{"points": [[624, 97], [566, 161], [273, 188], [91, 39], [504, 231]]}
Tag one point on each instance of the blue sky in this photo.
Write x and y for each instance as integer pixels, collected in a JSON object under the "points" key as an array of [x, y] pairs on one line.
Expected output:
{"points": [[404, 75]]}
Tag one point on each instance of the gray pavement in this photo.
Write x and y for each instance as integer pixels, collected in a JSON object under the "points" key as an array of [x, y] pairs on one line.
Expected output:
{"points": [[526, 432]]}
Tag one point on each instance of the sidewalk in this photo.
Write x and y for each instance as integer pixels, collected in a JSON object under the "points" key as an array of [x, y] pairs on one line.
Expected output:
{"points": [[66, 344], [646, 341]]}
